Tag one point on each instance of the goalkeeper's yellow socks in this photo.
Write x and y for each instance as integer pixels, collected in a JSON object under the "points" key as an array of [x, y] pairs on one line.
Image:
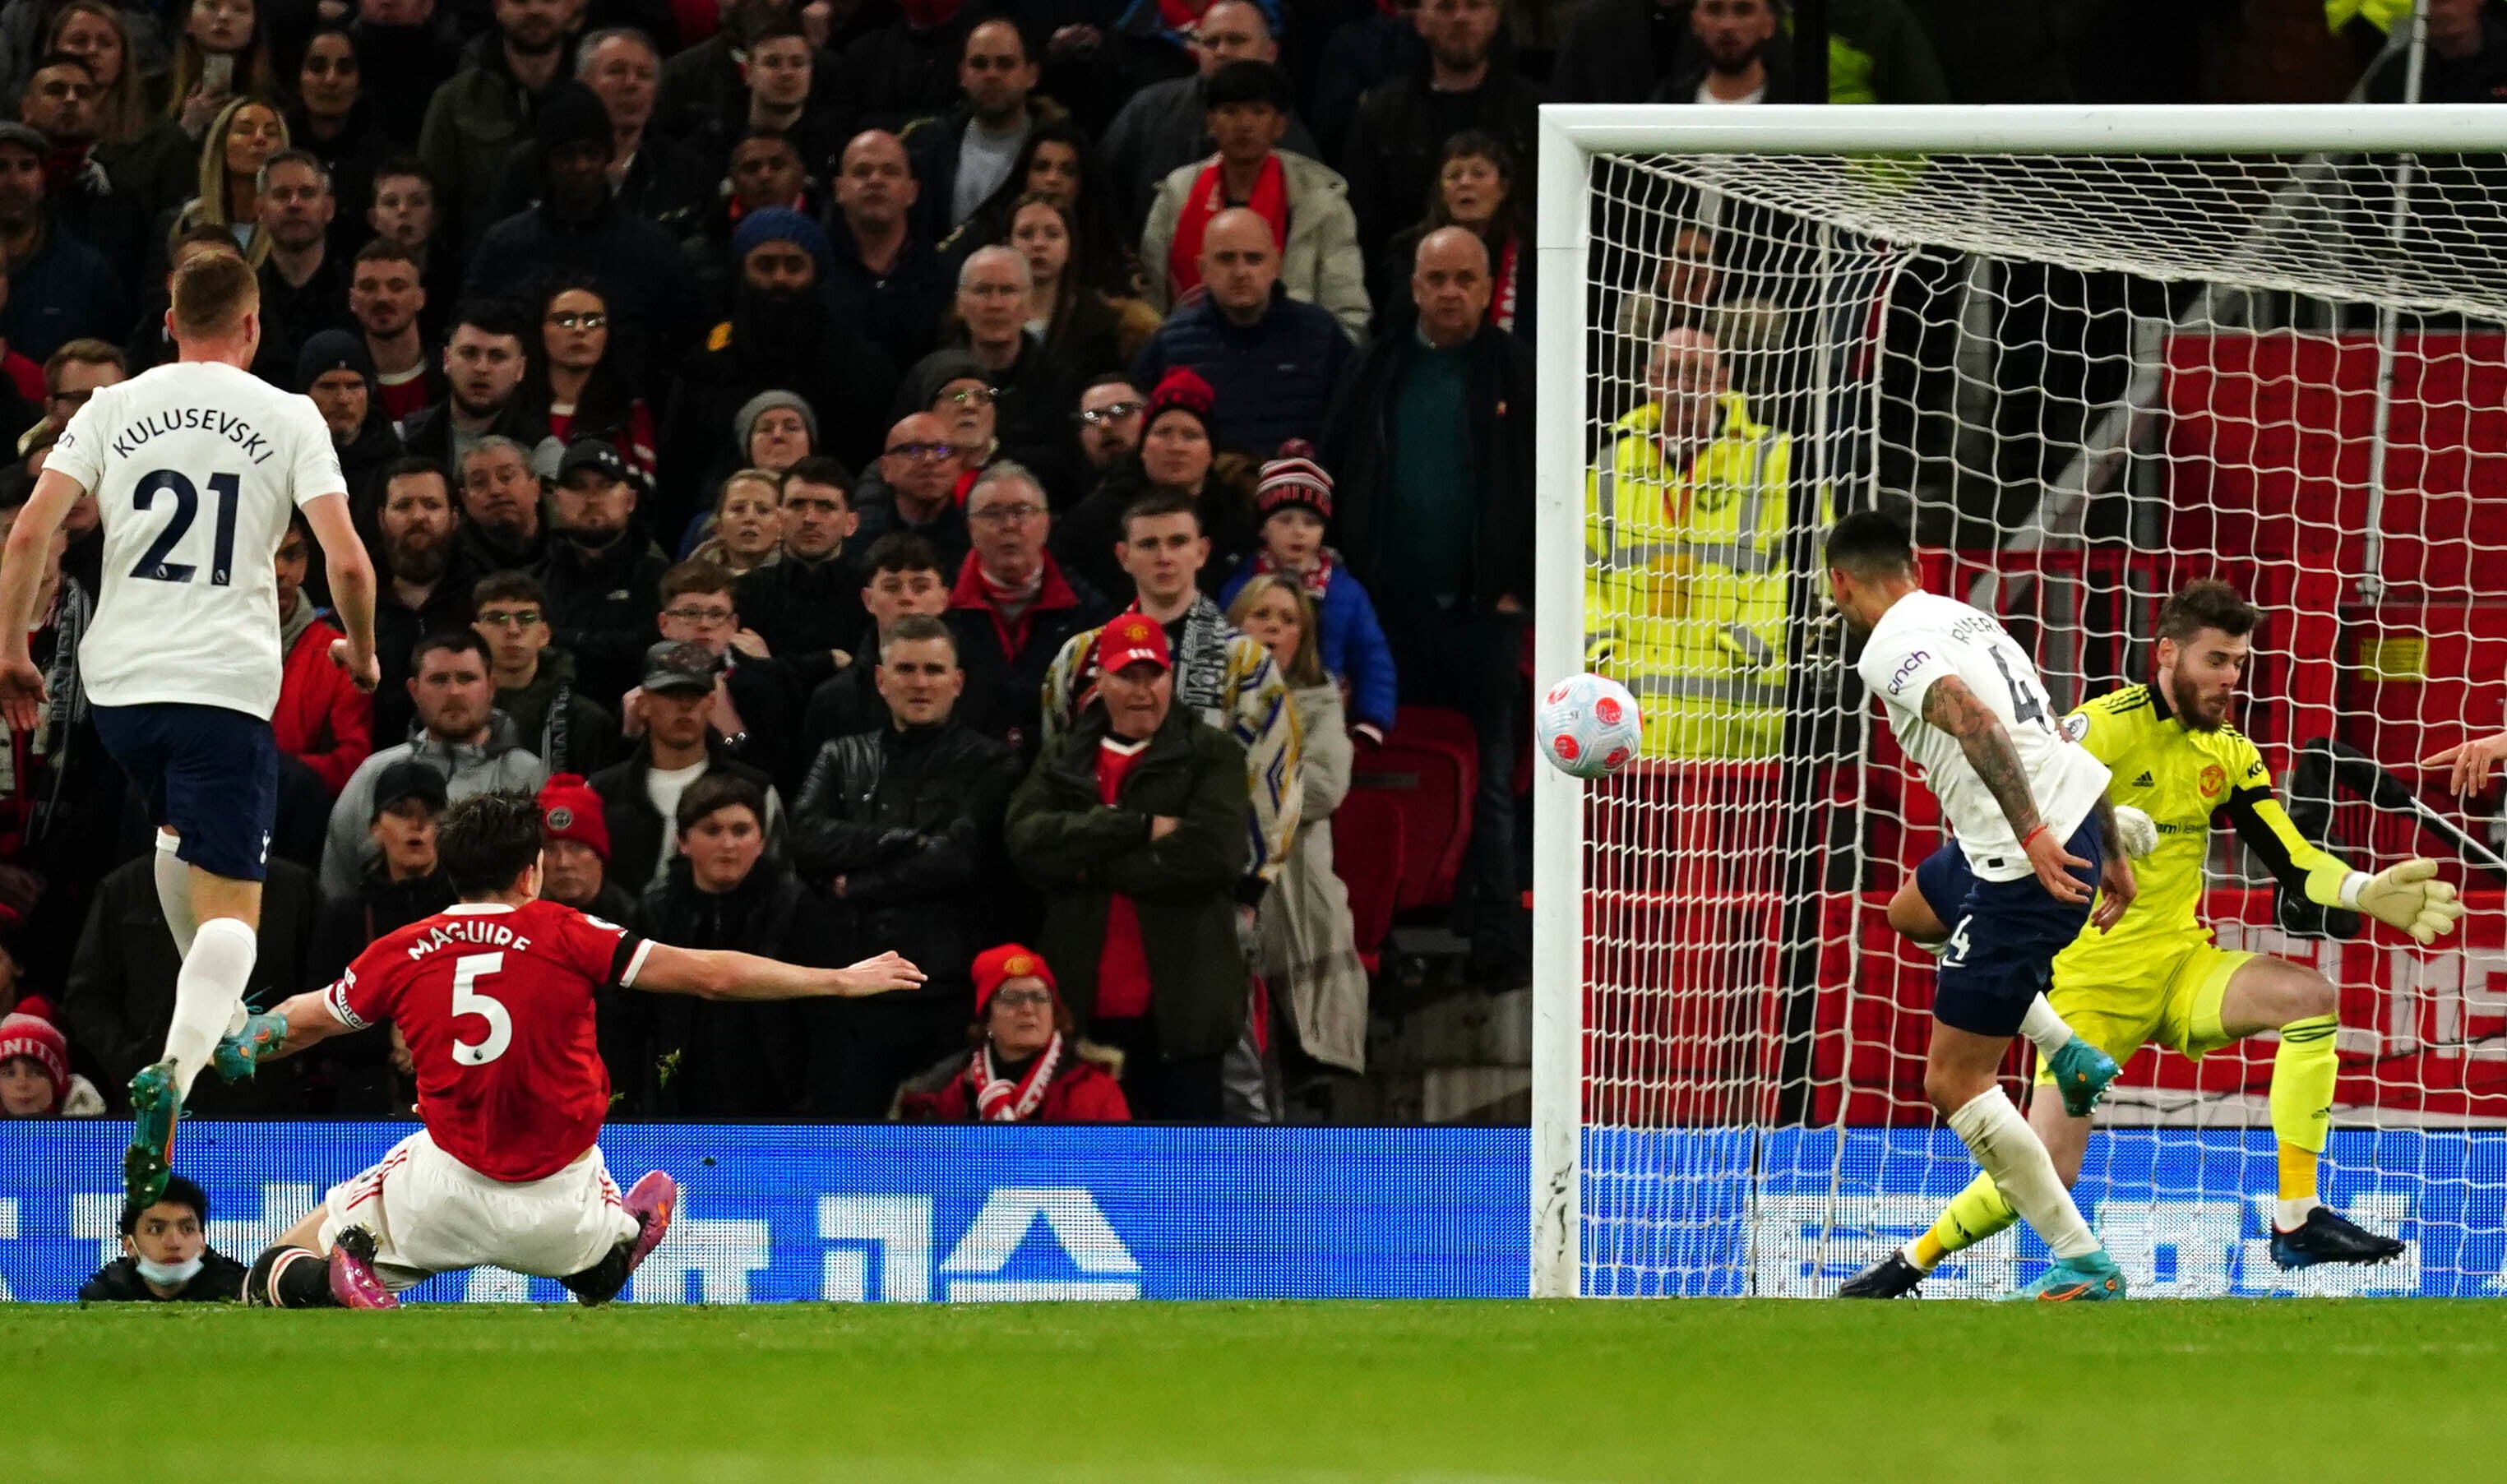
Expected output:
{"points": [[1971, 1216], [2302, 1111]]}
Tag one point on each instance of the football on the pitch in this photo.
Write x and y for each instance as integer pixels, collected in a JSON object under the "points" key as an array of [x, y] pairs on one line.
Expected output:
{"points": [[1588, 726]]}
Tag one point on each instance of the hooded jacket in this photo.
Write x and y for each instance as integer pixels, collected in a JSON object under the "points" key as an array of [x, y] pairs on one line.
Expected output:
{"points": [[499, 761], [1320, 264]]}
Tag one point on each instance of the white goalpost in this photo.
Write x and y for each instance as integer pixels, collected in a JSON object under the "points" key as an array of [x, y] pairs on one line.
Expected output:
{"points": [[2098, 353]]}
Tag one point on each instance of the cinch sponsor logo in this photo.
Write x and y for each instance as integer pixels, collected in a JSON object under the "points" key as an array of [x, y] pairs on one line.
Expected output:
{"points": [[1907, 669]]}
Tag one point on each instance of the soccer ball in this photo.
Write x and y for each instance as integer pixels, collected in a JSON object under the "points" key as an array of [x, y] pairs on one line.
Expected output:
{"points": [[1588, 726]]}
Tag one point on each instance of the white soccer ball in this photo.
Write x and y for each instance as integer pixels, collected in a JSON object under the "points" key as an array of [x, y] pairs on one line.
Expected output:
{"points": [[1588, 726]]}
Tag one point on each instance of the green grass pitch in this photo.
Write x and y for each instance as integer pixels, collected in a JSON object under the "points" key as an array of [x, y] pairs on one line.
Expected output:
{"points": [[1774, 1392]]}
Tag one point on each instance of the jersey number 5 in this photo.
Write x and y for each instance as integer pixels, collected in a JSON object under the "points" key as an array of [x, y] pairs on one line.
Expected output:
{"points": [[467, 999], [153, 565]]}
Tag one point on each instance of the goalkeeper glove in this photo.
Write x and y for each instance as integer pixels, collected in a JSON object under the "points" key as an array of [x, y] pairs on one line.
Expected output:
{"points": [[2138, 832], [2404, 897]]}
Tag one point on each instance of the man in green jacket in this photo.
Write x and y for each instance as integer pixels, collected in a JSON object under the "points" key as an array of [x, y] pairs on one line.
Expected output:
{"points": [[1133, 826]]}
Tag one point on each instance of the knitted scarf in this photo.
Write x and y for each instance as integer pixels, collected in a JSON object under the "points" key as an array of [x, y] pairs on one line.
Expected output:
{"points": [[1206, 199], [1011, 603], [1316, 579], [1000, 1101]]}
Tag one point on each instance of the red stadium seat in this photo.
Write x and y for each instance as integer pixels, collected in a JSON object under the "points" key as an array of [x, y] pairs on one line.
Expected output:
{"points": [[1367, 854], [1431, 765]]}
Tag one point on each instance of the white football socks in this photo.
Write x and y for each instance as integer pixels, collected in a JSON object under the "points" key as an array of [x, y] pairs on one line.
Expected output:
{"points": [[207, 992], [2046, 1030], [2010, 1151], [175, 892]]}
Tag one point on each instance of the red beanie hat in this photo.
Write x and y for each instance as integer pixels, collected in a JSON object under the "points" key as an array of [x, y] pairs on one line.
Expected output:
{"points": [[997, 966], [570, 811], [30, 1032], [1180, 390]]}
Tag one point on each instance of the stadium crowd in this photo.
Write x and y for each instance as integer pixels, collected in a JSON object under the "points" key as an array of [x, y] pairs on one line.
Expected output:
{"points": [[921, 473]]}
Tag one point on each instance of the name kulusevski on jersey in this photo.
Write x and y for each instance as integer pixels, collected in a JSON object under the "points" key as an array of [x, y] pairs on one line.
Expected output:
{"points": [[195, 467]]}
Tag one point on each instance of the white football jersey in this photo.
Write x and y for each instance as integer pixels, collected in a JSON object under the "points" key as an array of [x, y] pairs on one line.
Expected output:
{"points": [[1925, 637], [195, 467]]}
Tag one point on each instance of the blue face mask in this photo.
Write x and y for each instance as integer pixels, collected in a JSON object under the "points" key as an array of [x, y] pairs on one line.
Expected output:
{"points": [[168, 1275]]}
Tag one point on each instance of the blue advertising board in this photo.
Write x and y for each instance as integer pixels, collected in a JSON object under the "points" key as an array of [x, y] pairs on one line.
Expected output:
{"points": [[970, 1215]]}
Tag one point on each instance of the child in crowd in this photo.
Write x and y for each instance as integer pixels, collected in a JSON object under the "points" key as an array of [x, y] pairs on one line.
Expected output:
{"points": [[35, 1077], [1294, 500]]}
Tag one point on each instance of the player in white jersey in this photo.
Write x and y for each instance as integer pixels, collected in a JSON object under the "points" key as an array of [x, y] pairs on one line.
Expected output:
{"points": [[195, 467], [2030, 814]]}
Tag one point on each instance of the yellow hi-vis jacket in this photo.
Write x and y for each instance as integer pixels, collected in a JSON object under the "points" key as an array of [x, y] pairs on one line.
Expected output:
{"points": [[1684, 599]]}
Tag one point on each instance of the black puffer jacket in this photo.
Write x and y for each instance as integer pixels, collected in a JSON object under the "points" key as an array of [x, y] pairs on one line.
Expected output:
{"points": [[705, 1059], [636, 829], [911, 818]]}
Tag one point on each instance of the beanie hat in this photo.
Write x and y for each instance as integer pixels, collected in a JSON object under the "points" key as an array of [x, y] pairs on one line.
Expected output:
{"points": [[1294, 479], [782, 224], [1180, 390], [997, 966], [573, 114], [30, 1032], [570, 811], [938, 370], [334, 350], [744, 420]]}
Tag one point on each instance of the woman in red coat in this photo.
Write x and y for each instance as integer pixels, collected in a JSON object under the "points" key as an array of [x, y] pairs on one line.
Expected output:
{"points": [[1025, 1067], [322, 719]]}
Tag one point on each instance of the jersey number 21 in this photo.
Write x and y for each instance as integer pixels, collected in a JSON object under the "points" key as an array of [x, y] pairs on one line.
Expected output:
{"points": [[153, 565]]}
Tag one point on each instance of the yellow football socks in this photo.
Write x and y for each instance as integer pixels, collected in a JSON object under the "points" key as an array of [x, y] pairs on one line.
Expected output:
{"points": [[1971, 1216], [2301, 1108]]}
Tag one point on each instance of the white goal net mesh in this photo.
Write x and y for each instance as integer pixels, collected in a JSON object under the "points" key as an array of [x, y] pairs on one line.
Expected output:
{"points": [[2093, 377]]}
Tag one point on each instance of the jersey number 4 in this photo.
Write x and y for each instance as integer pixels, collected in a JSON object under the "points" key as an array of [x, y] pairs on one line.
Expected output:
{"points": [[2026, 705], [153, 565], [469, 999]]}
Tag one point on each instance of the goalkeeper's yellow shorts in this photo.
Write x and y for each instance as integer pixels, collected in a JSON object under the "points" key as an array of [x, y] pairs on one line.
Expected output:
{"points": [[2120, 995]]}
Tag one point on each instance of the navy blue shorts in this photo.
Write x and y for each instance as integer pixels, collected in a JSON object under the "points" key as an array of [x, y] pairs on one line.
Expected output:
{"points": [[209, 774], [2003, 935]]}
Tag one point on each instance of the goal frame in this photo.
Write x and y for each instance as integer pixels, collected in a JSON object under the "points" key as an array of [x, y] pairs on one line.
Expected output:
{"points": [[1571, 137]]}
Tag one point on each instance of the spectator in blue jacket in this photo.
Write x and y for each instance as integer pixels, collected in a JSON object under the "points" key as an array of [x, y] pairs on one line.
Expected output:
{"points": [[1295, 501], [1273, 360]]}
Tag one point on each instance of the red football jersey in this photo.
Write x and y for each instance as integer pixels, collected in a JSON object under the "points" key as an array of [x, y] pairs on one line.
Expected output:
{"points": [[495, 1003]]}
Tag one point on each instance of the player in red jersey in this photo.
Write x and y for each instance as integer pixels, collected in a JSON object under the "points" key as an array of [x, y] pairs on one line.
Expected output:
{"points": [[495, 996]]}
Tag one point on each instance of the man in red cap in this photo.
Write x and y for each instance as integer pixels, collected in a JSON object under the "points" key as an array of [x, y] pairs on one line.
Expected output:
{"points": [[574, 851], [1028, 1065], [1132, 824]]}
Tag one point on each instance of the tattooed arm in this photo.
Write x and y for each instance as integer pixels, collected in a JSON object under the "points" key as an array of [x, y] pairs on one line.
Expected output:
{"points": [[1951, 706]]}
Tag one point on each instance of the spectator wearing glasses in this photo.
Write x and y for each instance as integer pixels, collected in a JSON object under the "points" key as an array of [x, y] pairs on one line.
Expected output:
{"points": [[913, 489], [504, 515], [1032, 392], [1174, 455], [1028, 1065], [758, 712], [1012, 607], [906, 577], [535, 681], [675, 717], [579, 381], [1108, 423], [600, 567]]}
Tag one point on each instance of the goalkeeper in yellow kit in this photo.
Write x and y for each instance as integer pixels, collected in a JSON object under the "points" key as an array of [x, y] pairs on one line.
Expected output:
{"points": [[2157, 977]]}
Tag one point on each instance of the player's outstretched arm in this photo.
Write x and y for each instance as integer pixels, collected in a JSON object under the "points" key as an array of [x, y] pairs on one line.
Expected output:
{"points": [[2116, 884], [22, 577], [1951, 706], [720, 974], [352, 587]]}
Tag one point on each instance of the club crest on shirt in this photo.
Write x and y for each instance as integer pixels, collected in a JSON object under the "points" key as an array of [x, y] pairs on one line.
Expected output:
{"points": [[2214, 779]]}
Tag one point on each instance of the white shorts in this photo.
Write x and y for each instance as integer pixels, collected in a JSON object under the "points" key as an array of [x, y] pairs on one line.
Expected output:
{"points": [[430, 1214]]}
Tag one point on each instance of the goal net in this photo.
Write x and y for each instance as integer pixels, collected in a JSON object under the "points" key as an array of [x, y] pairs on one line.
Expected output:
{"points": [[2099, 353]]}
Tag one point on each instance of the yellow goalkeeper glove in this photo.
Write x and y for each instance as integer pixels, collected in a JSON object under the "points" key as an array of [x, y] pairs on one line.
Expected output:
{"points": [[2406, 897]]}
